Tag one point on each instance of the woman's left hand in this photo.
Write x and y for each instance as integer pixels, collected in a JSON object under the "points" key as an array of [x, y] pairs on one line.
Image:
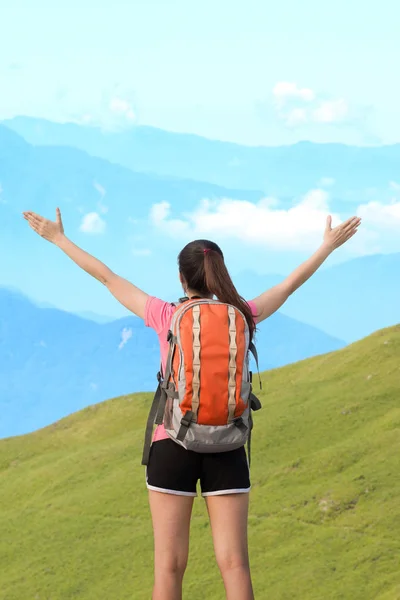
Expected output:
{"points": [[342, 233], [49, 230]]}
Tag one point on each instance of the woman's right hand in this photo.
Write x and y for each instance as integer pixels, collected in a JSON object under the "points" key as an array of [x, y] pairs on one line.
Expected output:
{"points": [[52, 231], [333, 238]]}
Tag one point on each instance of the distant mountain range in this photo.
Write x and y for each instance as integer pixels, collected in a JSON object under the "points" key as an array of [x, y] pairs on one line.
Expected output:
{"points": [[41, 178], [43, 175], [53, 363], [349, 301], [283, 171]]}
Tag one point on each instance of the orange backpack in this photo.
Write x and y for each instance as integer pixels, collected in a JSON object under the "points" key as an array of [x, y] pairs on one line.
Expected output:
{"points": [[205, 398]]}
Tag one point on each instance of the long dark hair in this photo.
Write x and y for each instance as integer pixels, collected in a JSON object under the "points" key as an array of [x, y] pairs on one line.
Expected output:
{"points": [[202, 266]]}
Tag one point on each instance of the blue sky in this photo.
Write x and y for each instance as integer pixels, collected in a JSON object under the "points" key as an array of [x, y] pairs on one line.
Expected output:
{"points": [[208, 67], [250, 72]]}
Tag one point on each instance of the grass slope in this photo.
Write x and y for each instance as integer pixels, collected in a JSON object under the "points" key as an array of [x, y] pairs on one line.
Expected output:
{"points": [[325, 503]]}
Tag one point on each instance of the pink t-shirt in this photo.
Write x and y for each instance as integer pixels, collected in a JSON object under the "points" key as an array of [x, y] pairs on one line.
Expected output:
{"points": [[158, 315]]}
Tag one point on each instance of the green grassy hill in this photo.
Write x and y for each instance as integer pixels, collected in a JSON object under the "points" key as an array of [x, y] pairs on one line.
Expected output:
{"points": [[325, 503]]}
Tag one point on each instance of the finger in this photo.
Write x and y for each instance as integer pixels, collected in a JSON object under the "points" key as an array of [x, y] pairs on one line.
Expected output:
{"points": [[32, 222], [346, 223], [351, 233], [349, 224], [37, 219], [328, 223], [351, 228], [33, 226], [351, 221], [36, 225], [35, 216], [58, 216]]}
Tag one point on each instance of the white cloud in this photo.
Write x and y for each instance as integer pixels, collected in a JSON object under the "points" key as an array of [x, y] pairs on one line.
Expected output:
{"points": [[99, 188], [381, 216], [268, 225], [284, 90], [159, 212], [120, 106], [103, 209], [299, 227], [296, 117], [298, 106], [93, 223], [379, 232], [331, 111], [126, 335], [269, 202]]}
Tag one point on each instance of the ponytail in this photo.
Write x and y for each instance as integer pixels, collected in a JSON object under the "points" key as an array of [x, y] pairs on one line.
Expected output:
{"points": [[202, 266], [219, 282]]}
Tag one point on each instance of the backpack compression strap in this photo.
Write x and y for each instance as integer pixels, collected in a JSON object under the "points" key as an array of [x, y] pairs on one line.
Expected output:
{"points": [[156, 414], [150, 422], [255, 404], [254, 352]]}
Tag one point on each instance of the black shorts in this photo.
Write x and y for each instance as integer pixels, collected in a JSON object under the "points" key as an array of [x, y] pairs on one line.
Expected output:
{"points": [[174, 470]]}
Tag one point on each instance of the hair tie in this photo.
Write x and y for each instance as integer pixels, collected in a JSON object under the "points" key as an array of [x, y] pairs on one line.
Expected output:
{"points": [[206, 250]]}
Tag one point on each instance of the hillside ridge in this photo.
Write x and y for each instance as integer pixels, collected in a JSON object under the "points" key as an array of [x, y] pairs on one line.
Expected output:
{"points": [[325, 501]]}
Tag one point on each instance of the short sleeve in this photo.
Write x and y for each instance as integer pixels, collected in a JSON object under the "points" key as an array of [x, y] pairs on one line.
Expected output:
{"points": [[253, 309], [157, 314]]}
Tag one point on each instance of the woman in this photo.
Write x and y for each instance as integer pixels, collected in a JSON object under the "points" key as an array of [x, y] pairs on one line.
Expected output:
{"points": [[173, 471]]}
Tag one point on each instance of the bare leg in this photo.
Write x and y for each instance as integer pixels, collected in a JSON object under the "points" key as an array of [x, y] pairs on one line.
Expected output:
{"points": [[171, 525], [228, 517]]}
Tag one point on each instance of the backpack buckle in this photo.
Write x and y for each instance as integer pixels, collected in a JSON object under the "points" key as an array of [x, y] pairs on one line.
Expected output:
{"points": [[240, 424], [187, 418], [171, 337], [185, 424]]}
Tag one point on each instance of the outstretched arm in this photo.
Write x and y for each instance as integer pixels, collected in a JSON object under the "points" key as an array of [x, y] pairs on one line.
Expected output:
{"points": [[125, 292], [271, 300]]}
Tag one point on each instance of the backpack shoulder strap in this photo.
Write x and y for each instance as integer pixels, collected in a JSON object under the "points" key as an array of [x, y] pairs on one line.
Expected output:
{"points": [[255, 404], [156, 413], [254, 352], [150, 422]]}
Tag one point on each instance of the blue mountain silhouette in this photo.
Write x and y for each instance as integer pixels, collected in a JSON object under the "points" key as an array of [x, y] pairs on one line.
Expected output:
{"points": [[53, 363]]}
